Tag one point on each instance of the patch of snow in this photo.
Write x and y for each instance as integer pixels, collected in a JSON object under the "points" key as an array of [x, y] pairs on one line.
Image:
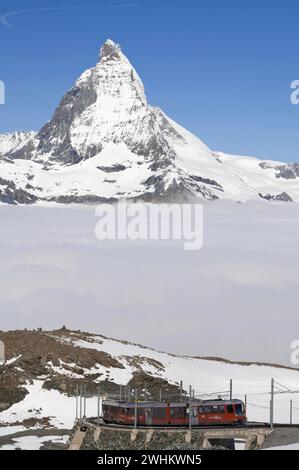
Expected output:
{"points": [[12, 360], [239, 444], [33, 442], [7, 430], [41, 403]]}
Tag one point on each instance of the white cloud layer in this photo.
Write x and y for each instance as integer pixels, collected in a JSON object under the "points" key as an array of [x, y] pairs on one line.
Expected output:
{"points": [[236, 298]]}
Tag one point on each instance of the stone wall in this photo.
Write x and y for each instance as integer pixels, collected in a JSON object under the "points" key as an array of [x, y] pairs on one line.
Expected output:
{"points": [[109, 438], [128, 439]]}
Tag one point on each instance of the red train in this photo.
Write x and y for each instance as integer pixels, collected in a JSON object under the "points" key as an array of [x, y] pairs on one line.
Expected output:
{"points": [[206, 412]]}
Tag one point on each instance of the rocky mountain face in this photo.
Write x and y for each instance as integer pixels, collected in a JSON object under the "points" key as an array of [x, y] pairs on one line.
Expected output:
{"points": [[62, 360], [11, 142], [105, 142]]}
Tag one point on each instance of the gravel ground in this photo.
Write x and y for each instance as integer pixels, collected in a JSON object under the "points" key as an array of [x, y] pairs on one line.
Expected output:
{"points": [[281, 437]]}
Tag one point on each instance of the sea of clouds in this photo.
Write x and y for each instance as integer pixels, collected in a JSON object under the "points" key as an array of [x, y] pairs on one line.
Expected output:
{"points": [[237, 297]]}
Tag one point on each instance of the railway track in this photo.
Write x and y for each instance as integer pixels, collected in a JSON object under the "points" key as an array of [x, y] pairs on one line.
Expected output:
{"points": [[249, 425]]}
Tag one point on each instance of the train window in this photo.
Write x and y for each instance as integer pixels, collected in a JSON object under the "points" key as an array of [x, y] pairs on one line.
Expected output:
{"points": [[207, 409], [200, 410], [159, 412], [130, 411], [221, 409], [239, 409], [177, 412], [230, 408]]}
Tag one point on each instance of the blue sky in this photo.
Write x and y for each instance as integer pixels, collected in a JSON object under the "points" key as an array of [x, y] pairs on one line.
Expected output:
{"points": [[220, 68]]}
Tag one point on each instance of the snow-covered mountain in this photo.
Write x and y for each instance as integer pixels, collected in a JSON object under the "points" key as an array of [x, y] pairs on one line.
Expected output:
{"points": [[105, 142]]}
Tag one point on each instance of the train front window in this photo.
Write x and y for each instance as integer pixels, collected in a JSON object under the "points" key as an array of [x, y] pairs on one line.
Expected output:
{"points": [[230, 408], [239, 409]]}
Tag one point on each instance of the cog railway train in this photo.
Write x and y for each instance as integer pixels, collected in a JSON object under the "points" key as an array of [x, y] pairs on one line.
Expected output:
{"points": [[203, 413]]}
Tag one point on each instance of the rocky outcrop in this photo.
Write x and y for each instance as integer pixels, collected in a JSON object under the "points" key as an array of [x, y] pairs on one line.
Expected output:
{"points": [[283, 197]]}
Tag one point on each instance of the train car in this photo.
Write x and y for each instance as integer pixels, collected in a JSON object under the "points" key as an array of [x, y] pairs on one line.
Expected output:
{"points": [[219, 412], [203, 413], [148, 414]]}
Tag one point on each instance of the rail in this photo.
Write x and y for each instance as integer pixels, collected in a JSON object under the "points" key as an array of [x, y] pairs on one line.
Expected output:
{"points": [[94, 422]]}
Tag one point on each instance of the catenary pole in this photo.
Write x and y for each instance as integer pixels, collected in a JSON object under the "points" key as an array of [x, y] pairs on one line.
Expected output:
{"points": [[272, 404], [190, 407], [77, 397], [80, 402], [135, 410], [98, 396], [84, 402]]}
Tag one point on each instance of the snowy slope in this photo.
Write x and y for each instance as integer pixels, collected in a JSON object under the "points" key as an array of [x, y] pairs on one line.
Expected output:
{"points": [[105, 142], [264, 177], [209, 378]]}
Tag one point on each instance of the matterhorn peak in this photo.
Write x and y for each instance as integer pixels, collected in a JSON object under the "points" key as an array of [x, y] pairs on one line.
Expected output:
{"points": [[104, 142], [110, 51]]}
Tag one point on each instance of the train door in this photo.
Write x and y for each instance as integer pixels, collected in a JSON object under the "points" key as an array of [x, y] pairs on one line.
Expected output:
{"points": [[148, 416], [194, 416], [177, 415], [230, 413]]}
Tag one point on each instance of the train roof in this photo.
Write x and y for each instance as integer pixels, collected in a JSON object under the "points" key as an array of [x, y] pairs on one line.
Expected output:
{"points": [[122, 404], [220, 402]]}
